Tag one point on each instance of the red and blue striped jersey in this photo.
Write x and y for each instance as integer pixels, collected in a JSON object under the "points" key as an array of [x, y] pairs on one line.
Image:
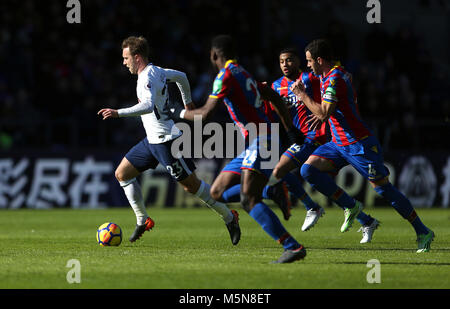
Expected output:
{"points": [[299, 111], [241, 96], [346, 124]]}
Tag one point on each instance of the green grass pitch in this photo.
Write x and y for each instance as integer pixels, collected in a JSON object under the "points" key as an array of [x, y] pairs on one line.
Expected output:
{"points": [[190, 249]]}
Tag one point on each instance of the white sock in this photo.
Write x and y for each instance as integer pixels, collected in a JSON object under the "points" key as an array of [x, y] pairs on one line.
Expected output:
{"points": [[222, 209], [133, 193]]}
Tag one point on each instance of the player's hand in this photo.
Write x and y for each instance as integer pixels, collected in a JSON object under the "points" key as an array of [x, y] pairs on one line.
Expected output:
{"points": [[108, 113], [295, 136], [314, 122], [298, 89]]}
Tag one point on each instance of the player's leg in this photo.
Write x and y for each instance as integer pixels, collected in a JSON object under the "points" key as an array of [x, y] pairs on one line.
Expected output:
{"points": [[227, 186], [316, 169], [291, 159], [371, 166], [126, 175], [253, 179], [283, 167], [138, 159], [202, 190], [279, 192], [182, 170], [326, 185], [251, 199], [403, 206]]}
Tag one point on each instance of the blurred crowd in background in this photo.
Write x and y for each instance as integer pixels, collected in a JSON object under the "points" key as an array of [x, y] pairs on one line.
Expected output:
{"points": [[55, 76]]}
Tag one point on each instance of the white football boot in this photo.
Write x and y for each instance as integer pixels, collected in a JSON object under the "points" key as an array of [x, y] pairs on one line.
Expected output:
{"points": [[368, 230], [312, 216]]}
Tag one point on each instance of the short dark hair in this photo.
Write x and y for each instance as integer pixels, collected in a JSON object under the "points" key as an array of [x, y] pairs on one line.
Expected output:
{"points": [[225, 46], [290, 50], [137, 46], [320, 48]]}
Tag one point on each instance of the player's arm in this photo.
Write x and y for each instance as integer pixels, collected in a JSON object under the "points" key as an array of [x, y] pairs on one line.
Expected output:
{"points": [[183, 85], [206, 111], [294, 135], [144, 106], [221, 89], [322, 110], [267, 93], [135, 110]]}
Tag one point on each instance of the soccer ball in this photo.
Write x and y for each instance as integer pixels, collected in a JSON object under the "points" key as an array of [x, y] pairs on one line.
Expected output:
{"points": [[109, 234]]}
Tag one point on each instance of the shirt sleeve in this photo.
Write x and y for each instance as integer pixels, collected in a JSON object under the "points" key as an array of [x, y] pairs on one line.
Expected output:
{"points": [[221, 86], [182, 82], [136, 110]]}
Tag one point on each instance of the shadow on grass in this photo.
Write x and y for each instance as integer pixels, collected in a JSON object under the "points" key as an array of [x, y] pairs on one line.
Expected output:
{"points": [[380, 249], [397, 263]]}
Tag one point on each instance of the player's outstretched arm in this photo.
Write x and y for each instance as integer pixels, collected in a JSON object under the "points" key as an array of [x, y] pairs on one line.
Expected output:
{"points": [[133, 111], [205, 112]]}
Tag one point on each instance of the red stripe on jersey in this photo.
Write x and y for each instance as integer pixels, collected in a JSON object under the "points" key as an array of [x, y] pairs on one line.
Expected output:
{"points": [[320, 134], [345, 122], [315, 84], [284, 87], [236, 121]]}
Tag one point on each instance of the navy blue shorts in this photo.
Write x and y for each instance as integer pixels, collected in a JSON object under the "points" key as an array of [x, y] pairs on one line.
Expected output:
{"points": [[365, 156], [144, 156]]}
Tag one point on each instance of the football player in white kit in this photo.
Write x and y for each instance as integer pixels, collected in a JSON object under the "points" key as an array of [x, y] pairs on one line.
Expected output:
{"points": [[161, 131]]}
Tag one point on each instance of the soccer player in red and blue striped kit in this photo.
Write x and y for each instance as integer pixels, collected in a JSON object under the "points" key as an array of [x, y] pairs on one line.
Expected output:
{"points": [[296, 155], [243, 97], [352, 143]]}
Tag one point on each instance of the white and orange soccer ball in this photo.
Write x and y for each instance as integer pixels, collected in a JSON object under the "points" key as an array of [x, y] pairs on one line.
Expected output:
{"points": [[109, 234]]}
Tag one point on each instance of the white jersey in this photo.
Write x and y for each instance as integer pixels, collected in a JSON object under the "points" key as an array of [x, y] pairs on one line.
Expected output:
{"points": [[153, 99]]}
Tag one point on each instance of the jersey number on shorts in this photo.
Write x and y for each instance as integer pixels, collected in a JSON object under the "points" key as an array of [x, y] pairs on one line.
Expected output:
{"points": [[175, 169], [295, 148], [250, 157]]}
